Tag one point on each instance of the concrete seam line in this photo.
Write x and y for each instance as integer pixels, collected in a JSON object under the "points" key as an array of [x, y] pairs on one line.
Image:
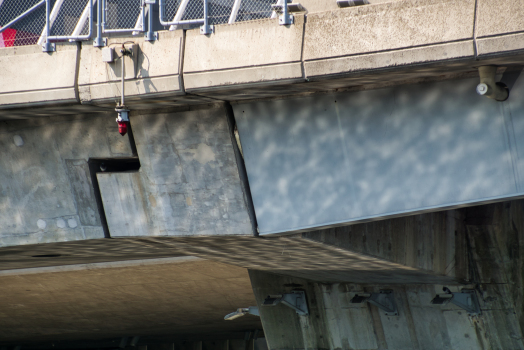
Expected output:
{"points": [[96, 266], [475, 26]]}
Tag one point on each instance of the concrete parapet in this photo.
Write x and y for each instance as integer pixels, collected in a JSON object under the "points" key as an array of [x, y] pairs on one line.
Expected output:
{"points": [[255, 52], [387, 35], [153, 69], [31, 77]]}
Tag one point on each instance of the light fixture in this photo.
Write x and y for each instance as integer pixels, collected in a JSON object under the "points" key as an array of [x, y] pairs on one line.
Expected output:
{"points": [[252, 310], [497, 91]]}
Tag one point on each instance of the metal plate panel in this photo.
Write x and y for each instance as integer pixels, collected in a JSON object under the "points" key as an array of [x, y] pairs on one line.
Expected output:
{"points": [[338, 158]]}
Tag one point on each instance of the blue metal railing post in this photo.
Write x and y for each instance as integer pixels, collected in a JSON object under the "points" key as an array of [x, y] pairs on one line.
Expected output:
{"points": [[47, 46], [285, 18], [151, 35], [99, 40], [206, 28]]}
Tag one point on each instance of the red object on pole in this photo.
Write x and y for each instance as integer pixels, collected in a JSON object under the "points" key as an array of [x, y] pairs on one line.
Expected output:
{"points": [[122, 128]]}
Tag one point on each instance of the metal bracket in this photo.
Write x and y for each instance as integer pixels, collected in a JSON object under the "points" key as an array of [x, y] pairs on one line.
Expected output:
{"points": [[209, 29], [466, 299], [48, 47], [100, 42], [284, 18], [151, 36], [384, 300], [295, 300]]}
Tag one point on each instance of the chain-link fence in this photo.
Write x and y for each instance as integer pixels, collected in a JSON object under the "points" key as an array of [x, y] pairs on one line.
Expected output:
{"points": [[70, 18], [26, 31], [220, 11], [123, 14], [66, 17], [255, 9]]}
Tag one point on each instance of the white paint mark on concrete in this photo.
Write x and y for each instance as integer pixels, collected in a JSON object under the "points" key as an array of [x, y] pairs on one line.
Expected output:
{"points": [[61, 223], [41, 224], [18, 140], [203, 154], [72, 223]]}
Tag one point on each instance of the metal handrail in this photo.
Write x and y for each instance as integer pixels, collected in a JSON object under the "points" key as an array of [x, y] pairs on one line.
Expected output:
{"points": [[142, 25], [75, 37], [204, 29], [48, 46]]}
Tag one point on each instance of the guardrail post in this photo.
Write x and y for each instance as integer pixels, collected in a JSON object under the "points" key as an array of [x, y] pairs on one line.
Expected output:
{"points": [[285, 17], [99, 40], [206, 28], [151, 35], [47, 46]]}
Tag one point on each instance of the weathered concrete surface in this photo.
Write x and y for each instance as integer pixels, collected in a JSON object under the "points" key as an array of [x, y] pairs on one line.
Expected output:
{"points": [[392, 26], [154, 69], [189, 180], [29, 76], [336, 323], [174, 298], [434, 241], [497, 17], [233, 54], [46, 189]]}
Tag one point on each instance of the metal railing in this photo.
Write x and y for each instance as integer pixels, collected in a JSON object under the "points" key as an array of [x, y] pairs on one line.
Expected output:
{"points": [[44, 22]]}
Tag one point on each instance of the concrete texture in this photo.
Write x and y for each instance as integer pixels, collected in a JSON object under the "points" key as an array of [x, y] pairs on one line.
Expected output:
{"points": [[153, 69], [387, 26], [336, 323], [26, 82], [189, 175], [497, 17], [433, 241], [47, 191], [177, 298], [188, 184], [234, 49]]}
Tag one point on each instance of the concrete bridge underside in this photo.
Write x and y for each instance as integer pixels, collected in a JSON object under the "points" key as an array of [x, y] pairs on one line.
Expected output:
{"points": [[345, 154]]}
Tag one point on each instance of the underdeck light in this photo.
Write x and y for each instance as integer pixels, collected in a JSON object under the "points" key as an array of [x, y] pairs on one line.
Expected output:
{"points": [[252, 310]]}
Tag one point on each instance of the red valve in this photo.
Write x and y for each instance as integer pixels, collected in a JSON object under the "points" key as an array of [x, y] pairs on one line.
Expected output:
{"points": [[122, 128]]}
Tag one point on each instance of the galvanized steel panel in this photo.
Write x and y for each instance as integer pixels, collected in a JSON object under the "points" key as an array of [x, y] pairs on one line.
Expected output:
{"points": [[330, 159]]}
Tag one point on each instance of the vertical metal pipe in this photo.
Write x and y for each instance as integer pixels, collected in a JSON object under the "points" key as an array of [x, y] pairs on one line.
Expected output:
{"points": [[99, 41], [206, 22], [47, 21], [123, 74], [150, 35], [206, 28], [47, 46]]}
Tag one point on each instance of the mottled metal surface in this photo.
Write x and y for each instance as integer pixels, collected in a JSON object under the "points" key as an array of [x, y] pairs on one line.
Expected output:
{"points": [[327, 160]]}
